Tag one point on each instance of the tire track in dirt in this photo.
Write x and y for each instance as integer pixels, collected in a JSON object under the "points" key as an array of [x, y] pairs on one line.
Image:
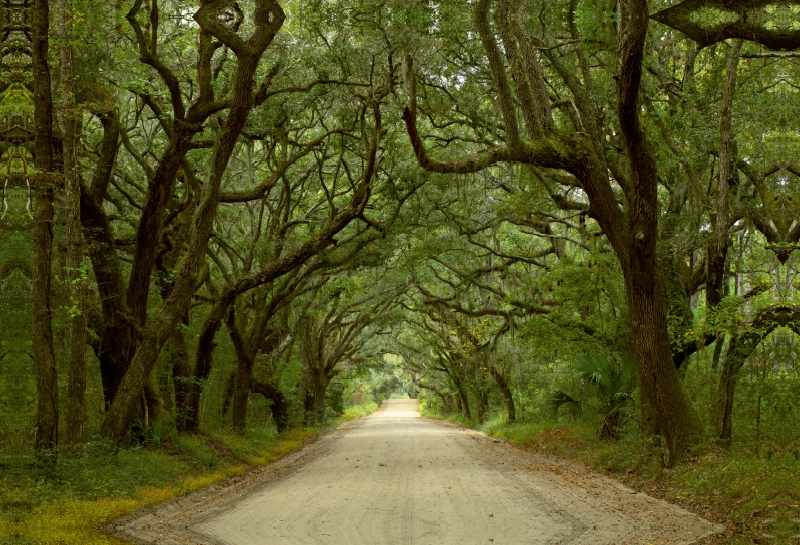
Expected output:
{"points": [[395, 478]]}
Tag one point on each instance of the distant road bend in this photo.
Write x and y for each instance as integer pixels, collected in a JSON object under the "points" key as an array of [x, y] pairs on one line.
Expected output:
{"points": [[396, 478]]}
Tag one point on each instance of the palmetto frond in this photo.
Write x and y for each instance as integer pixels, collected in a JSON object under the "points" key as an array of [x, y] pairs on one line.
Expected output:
{"points": [[560, 399]]}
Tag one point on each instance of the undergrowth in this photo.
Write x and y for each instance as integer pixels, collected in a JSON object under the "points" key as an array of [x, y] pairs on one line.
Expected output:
{"points": [[69, 504]]}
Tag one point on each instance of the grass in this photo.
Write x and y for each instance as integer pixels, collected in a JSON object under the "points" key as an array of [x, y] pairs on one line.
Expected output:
{"points": [[69, 504], [357, 411], [750, 495]]}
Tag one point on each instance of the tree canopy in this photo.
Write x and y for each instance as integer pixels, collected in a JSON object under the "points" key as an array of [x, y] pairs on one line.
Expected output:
{"points": [[220, 207]]}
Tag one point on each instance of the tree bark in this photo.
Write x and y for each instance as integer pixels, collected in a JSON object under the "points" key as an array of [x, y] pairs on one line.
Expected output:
{"points": [[203, 360], [446, 402], [315, 375], [117, 336], [76, 382], [481, 393], [314, 404], [155, 406], [278, 403], [241, 395], [177, 354], [41, 326], [178, 357], [508, 397], [715, 357], [269, 16], [659, 382], [725, 397], [463, 399], [227, 392], [632, 231], [316, 378], [258, 337], [718, 245], [739, 349]]}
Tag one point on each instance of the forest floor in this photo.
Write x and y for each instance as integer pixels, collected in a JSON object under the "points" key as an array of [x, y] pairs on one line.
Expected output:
{"points": [[397, 478], [69, 504], [756, 498]]}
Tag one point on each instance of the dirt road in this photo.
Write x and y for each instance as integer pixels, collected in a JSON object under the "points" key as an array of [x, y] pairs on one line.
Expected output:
{"points": [[395, 478]]}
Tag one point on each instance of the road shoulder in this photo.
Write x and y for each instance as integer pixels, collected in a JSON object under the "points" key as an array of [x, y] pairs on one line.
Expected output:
{"points": [[170, 522]]}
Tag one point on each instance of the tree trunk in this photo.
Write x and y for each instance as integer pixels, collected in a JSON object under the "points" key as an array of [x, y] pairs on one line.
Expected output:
{"points": [[662, 394], [720, 342], [278, 404], [156, 407], [314, 381], [508, 397], [316, 387], [41, 326], [76, 383], [718, 245], [269, 17], [111, 373], [204, 358], [320, 389], [463, 399], [41, 330], [308, 407], [718, 250], [118, 337], [482, 400], [227, 392], [739, 349], [241, 394], [247, 350], [116, 331], [634, 238], [178, 357], [725, 397], [447, 404]]}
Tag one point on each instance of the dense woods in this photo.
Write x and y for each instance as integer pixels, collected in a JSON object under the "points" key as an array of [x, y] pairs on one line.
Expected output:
{"points": [[252, 214]]}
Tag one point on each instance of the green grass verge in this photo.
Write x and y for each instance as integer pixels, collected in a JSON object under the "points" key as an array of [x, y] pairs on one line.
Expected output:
{"points": [[751, 496], [69, 504]]}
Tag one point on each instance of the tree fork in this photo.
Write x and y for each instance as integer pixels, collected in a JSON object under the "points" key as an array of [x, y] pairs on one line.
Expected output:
{"points": [[269, 17]]}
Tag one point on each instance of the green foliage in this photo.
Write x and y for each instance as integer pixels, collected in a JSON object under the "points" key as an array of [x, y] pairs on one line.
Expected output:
{"points": [[611, 383], [157, 432], [560, 399], [483, 287], [86, 491], [596, 19]]}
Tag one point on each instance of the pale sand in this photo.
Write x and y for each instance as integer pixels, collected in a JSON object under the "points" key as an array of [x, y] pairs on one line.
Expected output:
{"points": [[396, 478]]}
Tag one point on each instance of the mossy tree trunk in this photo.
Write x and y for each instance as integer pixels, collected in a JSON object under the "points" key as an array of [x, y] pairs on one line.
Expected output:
{"points": [[43, 213]]}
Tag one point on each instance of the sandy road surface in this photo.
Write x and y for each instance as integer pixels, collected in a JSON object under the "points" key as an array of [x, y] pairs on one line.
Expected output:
{"points": [[395, 478]]}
